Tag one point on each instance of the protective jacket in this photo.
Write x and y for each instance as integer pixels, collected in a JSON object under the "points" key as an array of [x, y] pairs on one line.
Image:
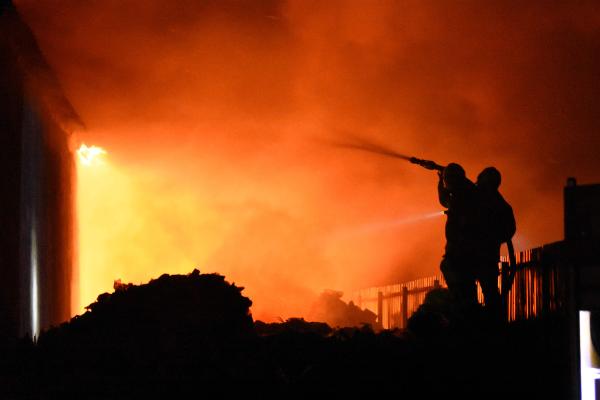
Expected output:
{"points": [[462, 224], [498, 223]]}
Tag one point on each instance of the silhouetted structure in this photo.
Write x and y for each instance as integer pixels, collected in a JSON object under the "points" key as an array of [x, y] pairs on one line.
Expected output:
{"points": [[540, 288], [582, 245], [36, 169]]}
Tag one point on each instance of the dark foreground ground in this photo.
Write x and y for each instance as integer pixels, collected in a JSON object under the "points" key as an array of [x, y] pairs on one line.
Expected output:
{"points": [[191, 336]]}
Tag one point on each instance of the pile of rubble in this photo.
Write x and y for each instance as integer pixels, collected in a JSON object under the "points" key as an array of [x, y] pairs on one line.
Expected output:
{"points": [[182, 335], [331, 309], [184, 328]]}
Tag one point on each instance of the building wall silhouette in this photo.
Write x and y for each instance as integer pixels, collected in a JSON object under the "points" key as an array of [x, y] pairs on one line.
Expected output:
{"points": [[36, 181]]}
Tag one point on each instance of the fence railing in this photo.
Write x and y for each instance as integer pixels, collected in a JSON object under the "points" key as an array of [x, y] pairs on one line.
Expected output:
{"points": [[539, 288], [540, 284]]}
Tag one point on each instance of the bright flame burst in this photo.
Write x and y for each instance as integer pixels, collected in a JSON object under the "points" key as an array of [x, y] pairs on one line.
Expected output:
{"points": [[90, 155]]}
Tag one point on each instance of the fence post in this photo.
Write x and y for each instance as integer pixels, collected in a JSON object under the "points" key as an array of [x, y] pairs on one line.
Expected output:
{"points": [[436, 284], [380, 308], [404, 306], [504, 289]]}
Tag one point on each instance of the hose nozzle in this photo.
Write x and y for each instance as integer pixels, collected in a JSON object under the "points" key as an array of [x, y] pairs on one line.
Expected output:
{"points": [[427, 164]]}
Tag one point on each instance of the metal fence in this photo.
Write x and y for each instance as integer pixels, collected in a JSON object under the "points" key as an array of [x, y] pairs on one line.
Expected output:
{"points": [[540, 285], [539, 288]]}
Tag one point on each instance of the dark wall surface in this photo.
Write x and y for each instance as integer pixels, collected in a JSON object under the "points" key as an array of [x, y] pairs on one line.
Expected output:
{"points": [[11, 100], [36, 179]]}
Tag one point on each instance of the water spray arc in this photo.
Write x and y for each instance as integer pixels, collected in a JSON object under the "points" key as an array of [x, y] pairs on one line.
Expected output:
{"points": [[357, 143], [382, 226], [363, 145]]}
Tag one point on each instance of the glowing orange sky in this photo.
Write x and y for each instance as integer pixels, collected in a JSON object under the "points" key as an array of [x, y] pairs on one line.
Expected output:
{"points": [[215, 114]]}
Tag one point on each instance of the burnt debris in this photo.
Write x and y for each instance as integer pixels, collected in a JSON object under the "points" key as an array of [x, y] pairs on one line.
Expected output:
{"points": [[189, 335]]}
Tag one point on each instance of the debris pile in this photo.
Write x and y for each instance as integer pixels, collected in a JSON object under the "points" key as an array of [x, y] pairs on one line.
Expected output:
{"points": [[192, 335], [435, 316], [331, 309], [184, 328], [298, 325], [197, 304]]}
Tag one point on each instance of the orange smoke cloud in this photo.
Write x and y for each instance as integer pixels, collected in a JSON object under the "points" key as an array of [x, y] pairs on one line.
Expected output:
{"points": [[214, 115]]}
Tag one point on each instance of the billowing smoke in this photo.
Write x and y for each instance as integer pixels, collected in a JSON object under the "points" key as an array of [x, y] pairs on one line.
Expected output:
{"points": [[215, 115]]}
